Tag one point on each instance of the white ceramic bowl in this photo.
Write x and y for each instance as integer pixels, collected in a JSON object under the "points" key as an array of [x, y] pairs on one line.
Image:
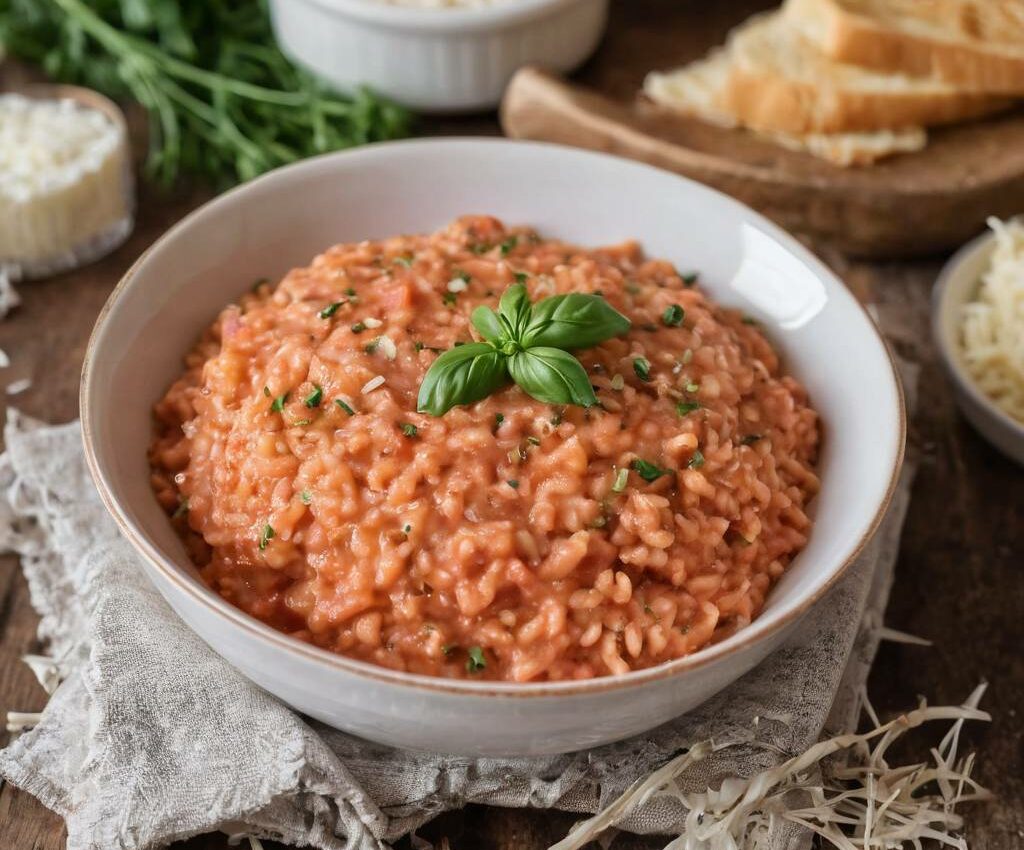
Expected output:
{"points": [[281, 220], [439, 60], [957, 285]]}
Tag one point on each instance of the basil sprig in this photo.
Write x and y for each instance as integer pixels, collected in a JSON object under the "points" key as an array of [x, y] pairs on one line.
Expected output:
{"points": [[527, 343]]}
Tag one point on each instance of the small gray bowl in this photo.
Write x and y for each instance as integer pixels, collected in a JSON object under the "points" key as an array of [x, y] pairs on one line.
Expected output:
{"points": [[956, 286]]}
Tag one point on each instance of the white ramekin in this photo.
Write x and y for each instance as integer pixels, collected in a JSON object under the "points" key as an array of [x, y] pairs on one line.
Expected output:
{"points": [[439, 60]]}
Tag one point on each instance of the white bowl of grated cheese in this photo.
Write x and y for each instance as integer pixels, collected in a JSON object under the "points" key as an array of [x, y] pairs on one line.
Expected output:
{"points": [[436, 55], [978, 325]]}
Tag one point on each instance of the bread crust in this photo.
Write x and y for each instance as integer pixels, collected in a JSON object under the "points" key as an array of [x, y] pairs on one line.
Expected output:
{"points": [[771, 103], [845, 36]]}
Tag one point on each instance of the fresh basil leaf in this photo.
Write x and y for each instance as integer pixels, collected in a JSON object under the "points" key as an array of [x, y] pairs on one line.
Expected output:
{"points": [[648, 471], [574, 320], [486, 321], [461, 375], [552, 375], [514, 308]]}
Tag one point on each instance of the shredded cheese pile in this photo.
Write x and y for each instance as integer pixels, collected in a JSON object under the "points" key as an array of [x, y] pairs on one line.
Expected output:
{"points": [[993, 325]]}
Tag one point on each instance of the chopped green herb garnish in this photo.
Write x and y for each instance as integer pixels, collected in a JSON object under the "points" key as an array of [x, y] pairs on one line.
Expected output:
{"points": [[692, 387], [673, 316], [533, 441], [464, 276], [509, 245], [404, 260], [689, 279], [685, 407], [621, 477], [313, 399], [647, 470], [344, 406], [266, 536], [448, 299], [750, 439], [618, 382], [330, 309], [371, 346], [278, 404], [266, 392], [350, 291], [305, 497], [358, 328], [476, 661], [449, 648], [642, 367], [556, 420], [521, 277], [498, 419], [418, 345], [479, 248], [697, 460], [513, 483], [408, 429], [182, 509]]}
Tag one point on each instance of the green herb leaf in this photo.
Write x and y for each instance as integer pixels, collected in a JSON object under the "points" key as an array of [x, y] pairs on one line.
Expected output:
{"points": [[313, 399], [642, 367], [358, 328], [689, 279], [515, 310], [552, 375], [278, 404], [449, 299], [486, 321], [513, 483], [498, 419], [575, 320], [684, 407], [344, 406], [461, 375], [266, 536], [673, 316], [508, 246], [330, 309], [305, 497], [619, 483], [648, 471], [521, 277], [476, 661], [408, 429], [696, 459]]}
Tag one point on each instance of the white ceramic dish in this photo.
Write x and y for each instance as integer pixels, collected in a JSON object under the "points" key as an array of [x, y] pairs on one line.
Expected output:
{"points": [[283, 219], [957, 285], [438, 60]]}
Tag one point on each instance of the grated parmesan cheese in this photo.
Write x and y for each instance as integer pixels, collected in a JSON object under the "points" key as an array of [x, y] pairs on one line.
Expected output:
{"points": [[65, 191], [372, 384], [993, 324]]}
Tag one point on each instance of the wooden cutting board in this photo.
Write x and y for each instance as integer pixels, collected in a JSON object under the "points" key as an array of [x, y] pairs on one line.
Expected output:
{"points": [[911, 204]]}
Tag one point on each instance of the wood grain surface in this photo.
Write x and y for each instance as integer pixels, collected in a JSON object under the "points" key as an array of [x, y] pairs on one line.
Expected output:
{"points": [[959, 579]]}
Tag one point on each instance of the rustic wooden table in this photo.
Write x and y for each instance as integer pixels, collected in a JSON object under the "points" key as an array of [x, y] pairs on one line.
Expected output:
{"points": [[959, 580]]}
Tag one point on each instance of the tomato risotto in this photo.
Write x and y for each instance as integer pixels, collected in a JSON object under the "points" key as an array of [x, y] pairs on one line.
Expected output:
{"points": [[509, 538]]}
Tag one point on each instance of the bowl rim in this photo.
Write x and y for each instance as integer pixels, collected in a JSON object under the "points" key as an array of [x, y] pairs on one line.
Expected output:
{"points": [[758, 631], [453, 20], [950, 347]]}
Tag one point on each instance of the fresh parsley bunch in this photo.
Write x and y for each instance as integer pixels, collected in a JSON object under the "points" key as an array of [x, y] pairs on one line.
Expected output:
{"points": [[222, 99], [527, 343]]}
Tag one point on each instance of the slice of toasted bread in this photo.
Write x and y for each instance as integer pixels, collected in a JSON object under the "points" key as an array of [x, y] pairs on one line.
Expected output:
{"points": [[697, 90], [779, 81], [976, 45]]}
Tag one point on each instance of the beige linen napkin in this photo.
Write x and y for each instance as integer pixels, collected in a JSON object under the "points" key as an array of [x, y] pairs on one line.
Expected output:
{"points": [[152, 737]]}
